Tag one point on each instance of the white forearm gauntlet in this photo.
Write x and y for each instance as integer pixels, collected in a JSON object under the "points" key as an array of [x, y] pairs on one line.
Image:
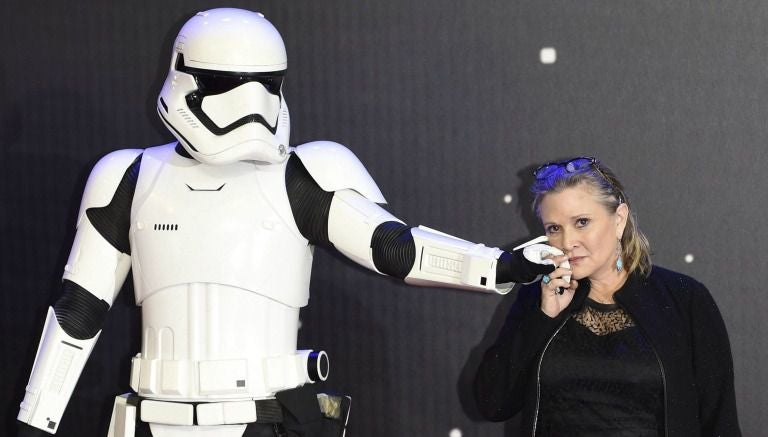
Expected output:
{"points": [[444, 260], [59, 361]]}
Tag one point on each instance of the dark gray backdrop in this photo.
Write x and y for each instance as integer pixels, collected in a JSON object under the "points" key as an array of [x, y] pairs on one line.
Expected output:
{"points": [[449, 107]]}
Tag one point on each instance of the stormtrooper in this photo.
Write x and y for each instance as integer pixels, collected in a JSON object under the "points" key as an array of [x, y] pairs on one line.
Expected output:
{"points": [[218, 230]]}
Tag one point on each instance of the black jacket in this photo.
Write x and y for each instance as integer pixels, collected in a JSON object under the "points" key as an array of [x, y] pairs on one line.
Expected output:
{"points": [[679, 318]]}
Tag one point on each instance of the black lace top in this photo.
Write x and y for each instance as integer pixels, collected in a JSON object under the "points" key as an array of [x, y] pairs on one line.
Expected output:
{"points": [[600, 377]]}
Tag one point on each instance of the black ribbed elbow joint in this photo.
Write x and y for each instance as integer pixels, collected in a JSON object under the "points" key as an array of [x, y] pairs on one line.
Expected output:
{"points": [[393, 249], [79, 313]]}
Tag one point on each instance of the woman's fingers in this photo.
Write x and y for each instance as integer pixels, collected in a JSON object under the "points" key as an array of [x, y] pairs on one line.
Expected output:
{"points": [[556, 294], [554, 283], [557, 275], [557, 259]]}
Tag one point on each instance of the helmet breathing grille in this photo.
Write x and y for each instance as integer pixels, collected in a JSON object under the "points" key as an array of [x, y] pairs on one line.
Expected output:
{"points": [[188, 118]]}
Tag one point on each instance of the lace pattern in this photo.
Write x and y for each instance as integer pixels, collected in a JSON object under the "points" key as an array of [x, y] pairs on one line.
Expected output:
{"points": [[603, 319]]}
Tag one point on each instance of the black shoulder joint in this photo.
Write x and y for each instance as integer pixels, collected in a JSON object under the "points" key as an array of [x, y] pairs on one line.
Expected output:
{"points": [[79, 312], [310, 204], [114, 220]]}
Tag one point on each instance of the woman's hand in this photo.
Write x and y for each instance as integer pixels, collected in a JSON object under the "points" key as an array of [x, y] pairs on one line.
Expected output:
{"points": [[557, 293]]}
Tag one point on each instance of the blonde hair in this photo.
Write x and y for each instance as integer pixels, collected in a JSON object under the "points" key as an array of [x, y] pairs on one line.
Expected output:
{"points": [[635, 248]]}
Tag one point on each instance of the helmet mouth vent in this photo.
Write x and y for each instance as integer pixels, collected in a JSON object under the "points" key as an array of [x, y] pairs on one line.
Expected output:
{"points": [[194, 102]]}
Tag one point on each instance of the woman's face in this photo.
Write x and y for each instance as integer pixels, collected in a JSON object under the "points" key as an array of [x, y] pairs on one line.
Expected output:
{"points": [[576, 222]]}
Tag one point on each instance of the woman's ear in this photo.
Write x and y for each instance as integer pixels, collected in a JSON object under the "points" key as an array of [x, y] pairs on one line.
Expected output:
{"points": [[622, 213]]}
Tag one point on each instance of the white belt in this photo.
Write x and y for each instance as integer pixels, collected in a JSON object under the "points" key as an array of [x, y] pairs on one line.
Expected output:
{"points": [[210, 413]]}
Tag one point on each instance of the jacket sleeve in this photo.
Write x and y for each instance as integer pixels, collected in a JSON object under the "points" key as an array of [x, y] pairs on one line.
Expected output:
{"points": [[712, 367], [507, 366]]}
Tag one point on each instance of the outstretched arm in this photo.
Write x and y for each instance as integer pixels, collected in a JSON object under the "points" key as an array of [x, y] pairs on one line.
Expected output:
{"points": [[335, 202]]}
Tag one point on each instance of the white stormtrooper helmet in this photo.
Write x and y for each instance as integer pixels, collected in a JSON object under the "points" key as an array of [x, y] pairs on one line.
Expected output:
{"points": [[223, 96]]}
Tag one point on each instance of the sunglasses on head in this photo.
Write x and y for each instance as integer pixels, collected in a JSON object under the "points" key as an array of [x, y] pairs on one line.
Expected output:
{"points": [[574, 165]]}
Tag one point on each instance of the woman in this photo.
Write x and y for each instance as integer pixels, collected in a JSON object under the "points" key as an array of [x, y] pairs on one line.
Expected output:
{"points": [[622, 349]]}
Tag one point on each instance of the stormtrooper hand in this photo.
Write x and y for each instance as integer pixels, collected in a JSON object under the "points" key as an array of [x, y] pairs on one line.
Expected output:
{"points": [[514, 267]]}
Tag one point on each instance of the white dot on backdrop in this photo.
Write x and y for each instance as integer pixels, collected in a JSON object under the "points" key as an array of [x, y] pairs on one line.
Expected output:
{"points": [[548, 55], [688, 258], [507, 198], [455, 432]]}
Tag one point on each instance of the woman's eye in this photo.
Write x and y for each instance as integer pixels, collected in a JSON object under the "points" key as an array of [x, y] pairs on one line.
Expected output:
{"points": [[582, 222], [552, 229]]}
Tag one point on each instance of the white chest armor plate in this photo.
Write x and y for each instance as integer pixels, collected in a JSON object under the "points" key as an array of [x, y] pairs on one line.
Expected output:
{"points": [[229, 225], [220, 271]]}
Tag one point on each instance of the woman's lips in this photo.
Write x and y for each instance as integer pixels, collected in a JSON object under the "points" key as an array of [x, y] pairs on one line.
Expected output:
{"points": [[575, 259]]}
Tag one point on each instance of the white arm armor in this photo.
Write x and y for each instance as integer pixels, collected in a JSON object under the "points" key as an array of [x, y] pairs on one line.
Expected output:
{"points": [[334, 168], [97, 268], [59, 361], [444, 260], [93, 262], [438, 260]]}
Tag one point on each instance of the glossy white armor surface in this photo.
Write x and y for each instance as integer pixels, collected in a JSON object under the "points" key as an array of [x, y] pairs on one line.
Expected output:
{"points": [[352, 221], [58, 363], [230, 225], [123, 420], [334, 167], [441, 259], [444, 260], [220, 266], [230, 41], [99, 268], [93, 263], [220, 271]]}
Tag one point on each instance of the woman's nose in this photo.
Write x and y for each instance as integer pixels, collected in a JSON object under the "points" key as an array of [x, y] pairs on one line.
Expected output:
{"points": [[568, 241]]}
